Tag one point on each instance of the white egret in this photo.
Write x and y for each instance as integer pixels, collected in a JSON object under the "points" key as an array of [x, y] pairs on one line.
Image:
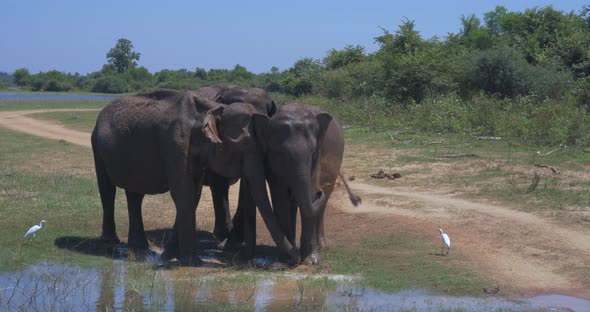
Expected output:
{"points": [[446, 241], [34, 229]]}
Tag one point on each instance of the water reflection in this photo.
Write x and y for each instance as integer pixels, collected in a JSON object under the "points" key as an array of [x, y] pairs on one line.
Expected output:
{"points": [[59, 287]]}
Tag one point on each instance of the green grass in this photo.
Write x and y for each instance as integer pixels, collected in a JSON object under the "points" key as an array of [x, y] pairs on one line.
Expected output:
{"points": [[6, 105], [404, 261], [83, 121], [496, 174], [68, 202], [70, 205], [493, 181]]}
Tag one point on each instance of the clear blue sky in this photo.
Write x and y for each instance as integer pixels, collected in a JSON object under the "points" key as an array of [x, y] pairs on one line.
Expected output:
{"points": [[75, 35]]}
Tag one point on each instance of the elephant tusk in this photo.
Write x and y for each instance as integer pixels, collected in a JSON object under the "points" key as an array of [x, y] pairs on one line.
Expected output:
{"points": [[244, 135]]}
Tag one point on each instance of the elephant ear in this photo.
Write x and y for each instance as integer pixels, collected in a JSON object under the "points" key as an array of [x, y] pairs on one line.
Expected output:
{"points": [[210, 124], [272, 109], [260, 125], [324, 120]]}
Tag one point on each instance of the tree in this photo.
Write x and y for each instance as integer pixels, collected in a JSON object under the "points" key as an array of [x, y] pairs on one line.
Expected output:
{"points": [[340, 58], [405, 40], [122, 57], [22, 77]]}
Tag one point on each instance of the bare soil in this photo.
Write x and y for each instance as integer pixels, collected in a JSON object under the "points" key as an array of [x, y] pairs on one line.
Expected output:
{"points": [[520, 250]]}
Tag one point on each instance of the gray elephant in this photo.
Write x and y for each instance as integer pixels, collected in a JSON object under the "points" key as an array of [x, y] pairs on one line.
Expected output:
{"points": [[303, 147], [167, 140], [219, 185]]}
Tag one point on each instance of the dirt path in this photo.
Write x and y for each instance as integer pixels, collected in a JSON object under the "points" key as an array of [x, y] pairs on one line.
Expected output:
{"points": [[517, 248], [18, 121]]}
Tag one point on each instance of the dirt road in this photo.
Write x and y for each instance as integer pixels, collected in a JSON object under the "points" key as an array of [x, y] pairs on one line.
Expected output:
{"points": [[518, 249], [19, 121]]}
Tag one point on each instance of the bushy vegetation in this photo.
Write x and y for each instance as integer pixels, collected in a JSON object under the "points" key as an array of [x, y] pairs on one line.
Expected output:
{"points": [[524, 74]]}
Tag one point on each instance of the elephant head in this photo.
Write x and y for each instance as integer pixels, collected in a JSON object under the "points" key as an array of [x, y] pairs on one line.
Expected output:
{"points": [[239, 155], [292, 140]]}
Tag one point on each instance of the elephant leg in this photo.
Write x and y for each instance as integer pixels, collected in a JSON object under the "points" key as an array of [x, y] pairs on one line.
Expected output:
{"points": [[136, 236], [219, 192], [284, 208], [248, 207], [107, 197], [236, 236], [309, 227], [309, 249], [322, 201], [186, 197]]}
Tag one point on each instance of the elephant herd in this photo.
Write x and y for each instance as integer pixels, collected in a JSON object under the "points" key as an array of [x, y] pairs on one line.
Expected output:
{"points": [[178, 141]]}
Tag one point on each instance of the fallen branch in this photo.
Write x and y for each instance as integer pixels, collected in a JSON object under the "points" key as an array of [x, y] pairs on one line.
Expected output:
{"points": [[548, 153], [545, 166], [393, 139], [458, 155], [483, 138]]}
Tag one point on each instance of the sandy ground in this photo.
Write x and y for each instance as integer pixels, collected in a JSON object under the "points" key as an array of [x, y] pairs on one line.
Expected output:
{"points": [[523, 250]]}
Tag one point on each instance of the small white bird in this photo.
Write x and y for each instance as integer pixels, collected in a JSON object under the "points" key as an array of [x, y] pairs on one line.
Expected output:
{"points": [[446, 241], [34, 229]]}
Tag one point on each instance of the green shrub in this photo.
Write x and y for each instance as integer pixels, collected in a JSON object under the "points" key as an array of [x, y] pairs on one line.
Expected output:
{"points": [[110, 84], [444, 114], [335, 84], [504, 72]]}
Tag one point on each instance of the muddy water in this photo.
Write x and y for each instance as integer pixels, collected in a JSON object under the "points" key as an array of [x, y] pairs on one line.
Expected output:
{"points": [[58, 287]]}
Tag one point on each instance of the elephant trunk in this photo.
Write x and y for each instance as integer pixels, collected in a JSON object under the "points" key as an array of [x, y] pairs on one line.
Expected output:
{"points": [[304, 192], [256, 183]]}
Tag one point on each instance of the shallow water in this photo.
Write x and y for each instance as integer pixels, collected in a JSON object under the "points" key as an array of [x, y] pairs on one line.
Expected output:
{"points": [[50, 286], [45, 96]]}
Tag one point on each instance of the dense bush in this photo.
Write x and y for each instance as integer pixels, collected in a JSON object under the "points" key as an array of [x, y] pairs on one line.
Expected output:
{"points": [[110, 84], [516, 74], [505, 72]]}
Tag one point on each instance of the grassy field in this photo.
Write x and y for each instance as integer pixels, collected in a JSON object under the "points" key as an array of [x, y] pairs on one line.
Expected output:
{"points": [[48, 104], [553, 177], [51, 180]]}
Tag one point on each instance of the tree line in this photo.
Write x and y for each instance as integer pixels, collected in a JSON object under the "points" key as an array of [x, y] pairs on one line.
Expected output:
{"points": [[505, 73]]}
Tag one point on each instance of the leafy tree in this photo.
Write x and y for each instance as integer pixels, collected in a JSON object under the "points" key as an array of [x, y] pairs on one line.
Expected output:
{"points": [[201, 73], [122, 57], [474, 35], [340, 58], [493, 20], [241, 74], [6, 80], [405, 40], [299, 79], [110, 84], [22, 77]]}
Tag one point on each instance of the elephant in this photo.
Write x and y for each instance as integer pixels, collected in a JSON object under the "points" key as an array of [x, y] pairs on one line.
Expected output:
{"points": [[166, 141], [303, 149], [219, 185]]}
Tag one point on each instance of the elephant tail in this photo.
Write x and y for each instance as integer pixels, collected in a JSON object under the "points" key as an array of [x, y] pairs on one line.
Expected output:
{"points": [[353, 198]]}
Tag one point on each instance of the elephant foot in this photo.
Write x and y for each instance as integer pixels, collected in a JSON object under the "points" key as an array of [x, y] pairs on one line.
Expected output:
{"points": [[294, 258], [233, 241], [110, 238], [312, 258], [138, 243], [170, 252], [222, 232]]}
